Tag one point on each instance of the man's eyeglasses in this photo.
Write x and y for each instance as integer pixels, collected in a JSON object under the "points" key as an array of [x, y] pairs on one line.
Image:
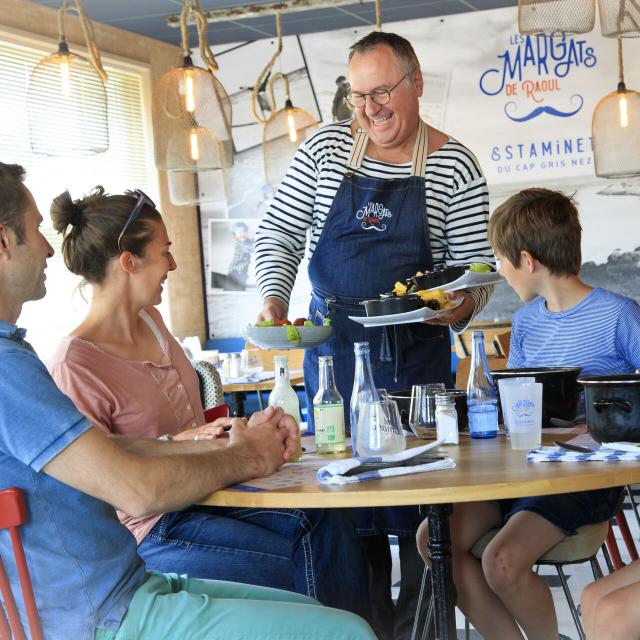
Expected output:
{"points": [[142, 199], [379, 96]]}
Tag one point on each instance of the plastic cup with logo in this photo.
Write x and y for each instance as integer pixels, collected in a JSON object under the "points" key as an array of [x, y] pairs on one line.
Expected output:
{"points": [[502, 385], [524, 415]]}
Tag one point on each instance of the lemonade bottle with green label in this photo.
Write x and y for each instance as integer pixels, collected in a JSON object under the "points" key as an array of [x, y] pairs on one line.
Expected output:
{"points": [[328, 411]]}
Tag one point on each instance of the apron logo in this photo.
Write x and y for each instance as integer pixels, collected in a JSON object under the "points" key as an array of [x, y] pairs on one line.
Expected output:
{"points": [[372, 216]]}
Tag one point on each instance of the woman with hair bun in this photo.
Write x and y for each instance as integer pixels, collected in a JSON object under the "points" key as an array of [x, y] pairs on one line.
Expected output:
{"points": [[126, 373]]}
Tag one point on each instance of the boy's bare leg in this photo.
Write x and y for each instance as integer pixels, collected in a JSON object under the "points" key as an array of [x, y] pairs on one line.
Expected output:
{"points": [[617, 616], [469, 521], [597, 592], [508, 567]]}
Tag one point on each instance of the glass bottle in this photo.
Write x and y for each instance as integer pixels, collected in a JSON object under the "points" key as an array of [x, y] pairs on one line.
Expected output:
{"points": [[481, 394], [285, 397], [328, 411], [364, 389], [446, 418]]}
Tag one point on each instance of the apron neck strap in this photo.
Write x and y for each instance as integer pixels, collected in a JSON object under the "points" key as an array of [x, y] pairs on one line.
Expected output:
{"points": [[418, 162]]}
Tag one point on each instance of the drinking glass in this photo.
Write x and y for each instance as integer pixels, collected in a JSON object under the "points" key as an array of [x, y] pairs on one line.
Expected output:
{"points": [[212, 356], [422, 413], [502, 392], [251, 362], [380, 429], [225, 362]]}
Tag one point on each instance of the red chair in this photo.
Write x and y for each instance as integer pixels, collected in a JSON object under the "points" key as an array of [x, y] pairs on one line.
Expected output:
{"points": [[13, 513], [620, 519], [220, 411]]}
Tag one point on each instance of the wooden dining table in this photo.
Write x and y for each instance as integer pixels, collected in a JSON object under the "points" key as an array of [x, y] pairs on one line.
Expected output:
{"points": [[486, 469]]}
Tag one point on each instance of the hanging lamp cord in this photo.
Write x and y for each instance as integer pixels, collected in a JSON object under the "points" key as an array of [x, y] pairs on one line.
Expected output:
{"points": [[264, 72], [89, 35], [378, 16], [192, 7], [278, 76], [620, 65]]}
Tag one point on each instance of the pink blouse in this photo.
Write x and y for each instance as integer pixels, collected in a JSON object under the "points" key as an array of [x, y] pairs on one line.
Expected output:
{"points": [[128, 397]]}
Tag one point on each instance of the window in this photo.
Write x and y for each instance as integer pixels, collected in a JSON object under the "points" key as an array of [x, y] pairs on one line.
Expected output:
{"points": [[127, 164]]}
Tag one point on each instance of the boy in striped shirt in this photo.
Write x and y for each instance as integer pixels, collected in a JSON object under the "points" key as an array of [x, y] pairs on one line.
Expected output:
{"points": [[536, 237]]}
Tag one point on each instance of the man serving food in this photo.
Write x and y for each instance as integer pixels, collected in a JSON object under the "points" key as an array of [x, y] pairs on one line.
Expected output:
{"points": [[383, 195]]}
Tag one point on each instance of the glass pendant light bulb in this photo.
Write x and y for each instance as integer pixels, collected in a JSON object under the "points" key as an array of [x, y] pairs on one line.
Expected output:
{"points": [[622, 106], [193, 144], [65, 79], [291, 123], [189, 96]]}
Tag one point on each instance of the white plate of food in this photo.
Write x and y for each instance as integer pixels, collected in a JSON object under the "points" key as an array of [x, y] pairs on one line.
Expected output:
{"points": [[407, 317], [470, 280], [288, 336]]}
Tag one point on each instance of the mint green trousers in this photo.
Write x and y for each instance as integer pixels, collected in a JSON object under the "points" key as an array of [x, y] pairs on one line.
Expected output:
{"points": [[172, 607]]}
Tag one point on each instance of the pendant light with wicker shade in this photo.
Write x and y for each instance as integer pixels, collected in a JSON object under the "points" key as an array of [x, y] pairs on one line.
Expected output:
{"points": [[619, 18], [283, 133], [70, 89], [556, 16], [616, 130], [192, 113], [286, 128]]}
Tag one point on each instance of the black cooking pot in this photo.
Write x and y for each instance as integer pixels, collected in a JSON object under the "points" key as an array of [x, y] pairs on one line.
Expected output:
{"points": [[612, 406], [560, 391], [393, 304], [403, 400]]}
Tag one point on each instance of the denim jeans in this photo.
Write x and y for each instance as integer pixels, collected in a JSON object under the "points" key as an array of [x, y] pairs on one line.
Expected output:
{"points": [[314, 552]]}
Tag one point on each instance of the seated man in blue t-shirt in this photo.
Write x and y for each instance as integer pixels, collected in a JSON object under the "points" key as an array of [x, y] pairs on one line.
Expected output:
{"points": [[88, 579], [536, 237]]}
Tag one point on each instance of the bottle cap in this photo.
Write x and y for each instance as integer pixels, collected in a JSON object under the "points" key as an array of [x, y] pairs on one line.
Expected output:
{"points": [[444, 399]]}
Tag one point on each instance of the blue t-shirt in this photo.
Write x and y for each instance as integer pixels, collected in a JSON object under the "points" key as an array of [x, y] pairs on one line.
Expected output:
{"points": [[83, 563], [601, 334]]}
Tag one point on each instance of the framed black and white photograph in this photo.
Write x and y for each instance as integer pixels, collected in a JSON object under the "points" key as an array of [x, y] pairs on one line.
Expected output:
{"points": [[231, 256]]}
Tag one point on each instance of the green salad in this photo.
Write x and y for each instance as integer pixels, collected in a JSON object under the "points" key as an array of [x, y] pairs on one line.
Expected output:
{"points": [[480, 267]]}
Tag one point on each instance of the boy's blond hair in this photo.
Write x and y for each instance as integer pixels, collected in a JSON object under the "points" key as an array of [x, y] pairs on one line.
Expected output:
{"points": [[543, 222]]}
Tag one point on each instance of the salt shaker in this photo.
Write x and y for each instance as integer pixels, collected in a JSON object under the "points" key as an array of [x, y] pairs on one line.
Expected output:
{"points": [[235, 366], [446, 418]]}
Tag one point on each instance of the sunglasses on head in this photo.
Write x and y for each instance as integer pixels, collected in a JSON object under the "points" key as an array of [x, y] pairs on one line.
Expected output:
{"points": [[141, 199]]}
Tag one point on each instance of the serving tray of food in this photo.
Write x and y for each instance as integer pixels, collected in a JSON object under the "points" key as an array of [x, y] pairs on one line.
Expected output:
{"points": [[287, 336], [407, 317], [424, 295]]}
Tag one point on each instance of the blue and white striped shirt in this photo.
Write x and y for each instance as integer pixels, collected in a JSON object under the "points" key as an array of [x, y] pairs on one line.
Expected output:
{"points": [[456, 196], [601, 334]]}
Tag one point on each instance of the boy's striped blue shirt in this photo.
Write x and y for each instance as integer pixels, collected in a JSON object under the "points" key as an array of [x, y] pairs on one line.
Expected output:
{"points": [[601, 334]]}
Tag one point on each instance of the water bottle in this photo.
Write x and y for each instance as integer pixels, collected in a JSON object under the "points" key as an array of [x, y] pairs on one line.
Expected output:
{"points": [[285, 397], [328, 411], [481, 394], [364, 389]]}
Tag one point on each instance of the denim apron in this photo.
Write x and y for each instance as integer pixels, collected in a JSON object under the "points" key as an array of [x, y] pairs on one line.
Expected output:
{"points": [[376, 232]]}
